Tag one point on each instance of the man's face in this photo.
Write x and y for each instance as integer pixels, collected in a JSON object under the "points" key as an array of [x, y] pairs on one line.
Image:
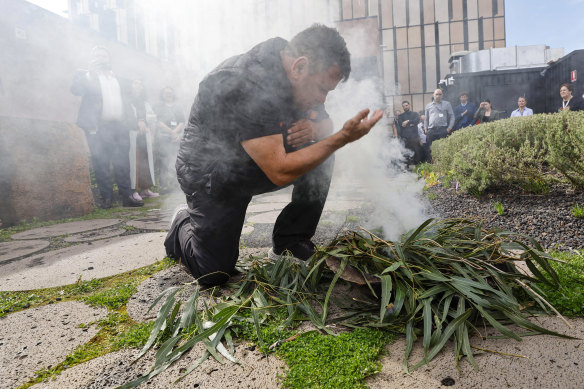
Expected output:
{"points": [[521, 102], [463, 99], [406, 107], [438, 95], [311, 89]]}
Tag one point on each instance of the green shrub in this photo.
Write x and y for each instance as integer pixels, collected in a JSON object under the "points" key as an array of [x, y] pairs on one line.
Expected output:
{"points": [[536, 185], [515, 151]]}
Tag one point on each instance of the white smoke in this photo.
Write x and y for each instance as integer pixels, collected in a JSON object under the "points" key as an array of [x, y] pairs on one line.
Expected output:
{"points": [[376, 163]]}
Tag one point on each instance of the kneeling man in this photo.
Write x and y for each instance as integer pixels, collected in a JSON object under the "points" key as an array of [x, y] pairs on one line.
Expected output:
{"points": [[258, 124]]}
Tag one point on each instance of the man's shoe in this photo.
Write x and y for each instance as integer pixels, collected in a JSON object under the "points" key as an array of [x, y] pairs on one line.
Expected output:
{"points": [[130, 201], [106, 203], [302, 250], [171, 242]]}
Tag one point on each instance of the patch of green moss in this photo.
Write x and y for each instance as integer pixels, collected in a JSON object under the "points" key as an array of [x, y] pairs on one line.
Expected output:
{"points": [[116, 331], [568, 299], [134, 337], [82, 290], [112, 298], [271, 330], [335, 362]]}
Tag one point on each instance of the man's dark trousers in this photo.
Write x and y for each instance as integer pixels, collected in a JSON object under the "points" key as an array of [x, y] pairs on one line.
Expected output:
{"points": [[208, 239], [412, 143], [111, 143], [434, 134]]}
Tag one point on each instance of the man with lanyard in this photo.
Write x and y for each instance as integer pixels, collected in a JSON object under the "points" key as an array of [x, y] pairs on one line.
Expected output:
{"points": [[258, 124], [408, 123], [463, 113], [439, 121]]}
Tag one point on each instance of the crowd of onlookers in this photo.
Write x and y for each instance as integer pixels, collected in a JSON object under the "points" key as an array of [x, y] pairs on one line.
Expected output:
{"points": [[126, 135], [418, 130], [138, 142]]}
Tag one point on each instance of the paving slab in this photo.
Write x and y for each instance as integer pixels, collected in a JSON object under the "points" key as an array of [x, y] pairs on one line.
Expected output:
{"points": [[273, 198], [140, 302], [247, 230], [138, 306], [263, 207], [549, 362], [341, 205], [90, 236], [101, 259], [66, 228], [19, 248], [41, 337], [254, 371], [155, 222], [264, 217]]}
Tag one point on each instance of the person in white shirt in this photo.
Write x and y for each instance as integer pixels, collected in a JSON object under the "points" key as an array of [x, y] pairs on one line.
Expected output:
{"points": [[106, 118], [522, 110], [422, 136]]}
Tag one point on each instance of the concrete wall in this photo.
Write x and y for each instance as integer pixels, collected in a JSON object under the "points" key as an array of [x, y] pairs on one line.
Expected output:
{"points": [[44, 172]]}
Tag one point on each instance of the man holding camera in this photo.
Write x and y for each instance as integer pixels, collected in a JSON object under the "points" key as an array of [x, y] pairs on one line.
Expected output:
{"points": [[106, 117]]}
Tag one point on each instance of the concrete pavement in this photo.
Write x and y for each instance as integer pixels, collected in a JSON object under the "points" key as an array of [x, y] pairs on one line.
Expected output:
{"points": [[58, 255]]}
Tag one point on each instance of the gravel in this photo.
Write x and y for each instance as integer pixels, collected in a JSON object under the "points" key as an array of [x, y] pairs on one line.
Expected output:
{"points": [[547, 218]]}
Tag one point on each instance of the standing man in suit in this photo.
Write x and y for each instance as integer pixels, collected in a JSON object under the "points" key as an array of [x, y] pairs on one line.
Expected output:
{"points": [[105, 117]]}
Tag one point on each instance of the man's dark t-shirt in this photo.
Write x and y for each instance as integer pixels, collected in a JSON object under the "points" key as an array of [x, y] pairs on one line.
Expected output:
{"points": [[247, 96]]}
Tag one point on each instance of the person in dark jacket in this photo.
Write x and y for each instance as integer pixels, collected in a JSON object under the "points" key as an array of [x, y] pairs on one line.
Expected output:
{"points": [[463, 113], [258, 124], [569, 101], [486, 113], [106, 117], [408, 132]]}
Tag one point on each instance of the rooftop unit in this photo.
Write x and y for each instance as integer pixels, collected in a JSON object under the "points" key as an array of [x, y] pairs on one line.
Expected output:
{"points": [[504, 58]]}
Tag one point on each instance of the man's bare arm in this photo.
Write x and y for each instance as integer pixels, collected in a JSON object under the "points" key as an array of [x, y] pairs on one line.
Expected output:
{"points": [[282, 168]]}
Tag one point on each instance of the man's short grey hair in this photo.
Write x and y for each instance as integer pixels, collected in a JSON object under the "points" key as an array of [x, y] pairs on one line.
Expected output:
{"points": [[324, 47]]}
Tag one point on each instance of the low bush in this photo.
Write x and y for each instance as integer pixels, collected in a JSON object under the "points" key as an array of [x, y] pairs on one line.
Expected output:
{"points": [[515, 151]]}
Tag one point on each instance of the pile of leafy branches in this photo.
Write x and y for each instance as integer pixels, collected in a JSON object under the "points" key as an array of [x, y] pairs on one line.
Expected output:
{"points": [[442, 281], [521, 151]]}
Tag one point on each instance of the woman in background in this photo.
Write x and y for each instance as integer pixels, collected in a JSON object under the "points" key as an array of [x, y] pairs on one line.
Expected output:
{"points": [[573, 103], [141, 155], [485, 113]]}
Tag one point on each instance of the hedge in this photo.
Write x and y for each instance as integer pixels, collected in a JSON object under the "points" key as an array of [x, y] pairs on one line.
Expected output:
{"points": [[521, 150]]}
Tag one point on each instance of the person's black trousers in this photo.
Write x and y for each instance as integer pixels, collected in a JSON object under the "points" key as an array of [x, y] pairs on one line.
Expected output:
{"points": [[207, 239], [413, 144], [434, 134], [111, 143]]}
